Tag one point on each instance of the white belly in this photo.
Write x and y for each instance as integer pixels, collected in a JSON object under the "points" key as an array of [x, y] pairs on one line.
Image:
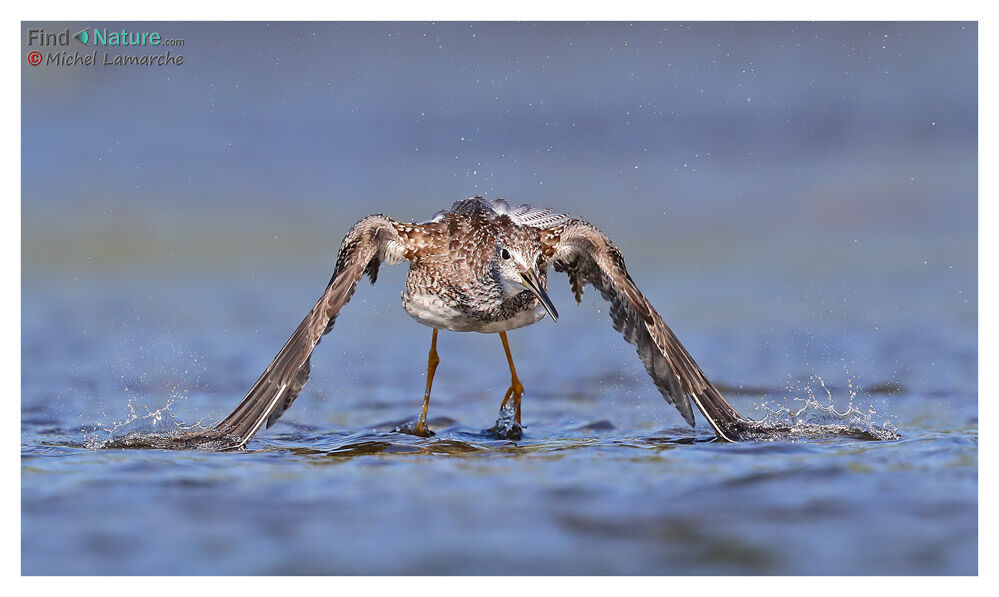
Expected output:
{"points": [[429, 310]]}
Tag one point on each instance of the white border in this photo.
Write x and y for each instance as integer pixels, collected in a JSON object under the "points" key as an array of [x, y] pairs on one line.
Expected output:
{"points": [[508, 10]]}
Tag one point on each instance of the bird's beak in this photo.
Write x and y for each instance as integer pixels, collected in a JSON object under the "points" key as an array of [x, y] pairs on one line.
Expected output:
{"points": [[533, 283]]}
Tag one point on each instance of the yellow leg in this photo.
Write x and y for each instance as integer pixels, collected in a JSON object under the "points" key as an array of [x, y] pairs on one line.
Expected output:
{"points": [[432, 362], [516, 390]]}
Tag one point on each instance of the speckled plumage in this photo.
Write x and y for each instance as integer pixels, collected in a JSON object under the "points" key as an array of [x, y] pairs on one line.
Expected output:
{"points": [[451, 283], [454, 283]]}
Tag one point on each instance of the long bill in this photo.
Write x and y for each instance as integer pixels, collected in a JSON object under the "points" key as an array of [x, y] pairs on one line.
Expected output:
{"points": [[533, 283]]}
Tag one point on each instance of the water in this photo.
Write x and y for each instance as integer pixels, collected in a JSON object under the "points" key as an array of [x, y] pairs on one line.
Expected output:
{"points": [[607, 479], [798, 200]]}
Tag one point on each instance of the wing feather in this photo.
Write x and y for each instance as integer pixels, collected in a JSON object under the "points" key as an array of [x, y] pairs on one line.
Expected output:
{"points": [[525, 215], [588, 257], [369, 242]]}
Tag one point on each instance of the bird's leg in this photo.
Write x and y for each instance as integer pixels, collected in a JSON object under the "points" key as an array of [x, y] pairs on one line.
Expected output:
{"points": [[421, 428], [516, 389], [508, 424], [432, 361]]}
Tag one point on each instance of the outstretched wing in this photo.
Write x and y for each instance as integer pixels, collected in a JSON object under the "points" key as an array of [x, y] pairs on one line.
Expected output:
{"points": [[588, 257], [370, 242]]}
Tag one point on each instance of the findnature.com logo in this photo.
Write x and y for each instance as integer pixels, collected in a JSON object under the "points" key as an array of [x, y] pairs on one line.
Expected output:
{"points": [[56, 52]]}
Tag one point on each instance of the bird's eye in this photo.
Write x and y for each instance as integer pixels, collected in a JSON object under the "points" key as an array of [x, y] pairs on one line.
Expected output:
{"points": [[505, 254]]}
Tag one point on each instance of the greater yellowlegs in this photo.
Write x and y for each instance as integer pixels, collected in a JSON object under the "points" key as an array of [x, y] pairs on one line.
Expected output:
{"points": [[482, 267]]}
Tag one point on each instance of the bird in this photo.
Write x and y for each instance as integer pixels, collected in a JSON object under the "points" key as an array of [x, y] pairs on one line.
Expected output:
{"points": [[482, 266]]}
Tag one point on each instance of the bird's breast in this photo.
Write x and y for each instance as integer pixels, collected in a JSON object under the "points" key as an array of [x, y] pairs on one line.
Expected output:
{"points": [[460, 312]]}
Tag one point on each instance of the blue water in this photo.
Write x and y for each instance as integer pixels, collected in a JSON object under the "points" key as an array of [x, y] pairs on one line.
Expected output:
{"points": [[607, 479], [799, 201]]}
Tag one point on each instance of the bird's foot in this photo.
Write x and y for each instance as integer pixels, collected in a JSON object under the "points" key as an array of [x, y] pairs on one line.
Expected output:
{"points": [[417, 428], [505, 430], [507, 424]]}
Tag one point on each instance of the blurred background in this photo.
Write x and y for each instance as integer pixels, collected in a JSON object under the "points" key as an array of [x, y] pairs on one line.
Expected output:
{"points": [[797, 200], [837, 157]]}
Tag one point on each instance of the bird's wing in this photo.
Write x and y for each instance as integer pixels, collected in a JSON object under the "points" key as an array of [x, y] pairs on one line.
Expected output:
{"points": [[371, 241], [525, 215], [587, 256]]}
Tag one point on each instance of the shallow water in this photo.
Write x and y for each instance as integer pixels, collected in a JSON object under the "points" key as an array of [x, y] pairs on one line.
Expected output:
{"points": [[607, 478]]}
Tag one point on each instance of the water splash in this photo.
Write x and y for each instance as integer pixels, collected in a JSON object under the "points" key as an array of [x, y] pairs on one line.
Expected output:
{"points": [[506, 426], [142, 431], [186, 439], [817, 417]]}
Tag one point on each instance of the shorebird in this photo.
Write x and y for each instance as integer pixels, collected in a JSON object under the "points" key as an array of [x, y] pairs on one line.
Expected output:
{"points": [[482, 267]]}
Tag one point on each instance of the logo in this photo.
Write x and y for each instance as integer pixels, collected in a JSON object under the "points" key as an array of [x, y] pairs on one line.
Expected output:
{"points": [[102, 47]]}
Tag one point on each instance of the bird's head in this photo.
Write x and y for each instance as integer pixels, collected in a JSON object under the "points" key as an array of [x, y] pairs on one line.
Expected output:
{"points": [[517, 267]]}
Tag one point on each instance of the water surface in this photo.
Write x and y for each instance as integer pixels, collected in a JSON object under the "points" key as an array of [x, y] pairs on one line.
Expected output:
{"points": [[608, 479]]}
